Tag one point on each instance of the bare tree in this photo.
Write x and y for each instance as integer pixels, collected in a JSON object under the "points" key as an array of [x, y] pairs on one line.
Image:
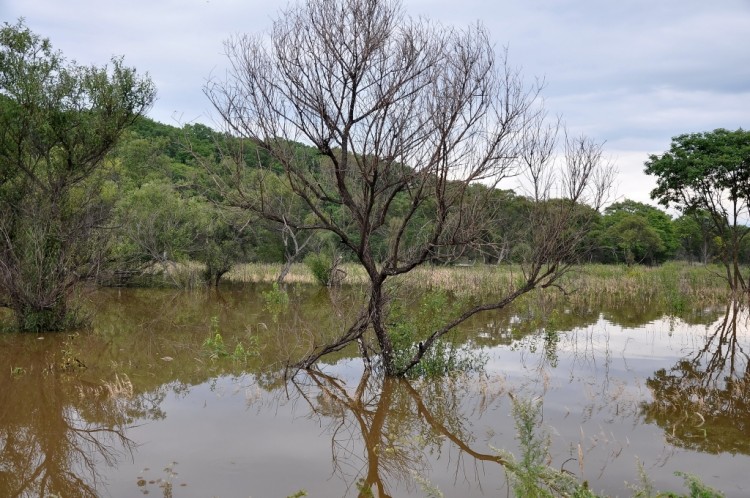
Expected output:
{"points": [[384, 126]]}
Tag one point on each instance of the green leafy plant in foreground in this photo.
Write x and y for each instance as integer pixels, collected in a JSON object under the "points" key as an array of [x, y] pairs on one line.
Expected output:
{"points": [[530, 475]]}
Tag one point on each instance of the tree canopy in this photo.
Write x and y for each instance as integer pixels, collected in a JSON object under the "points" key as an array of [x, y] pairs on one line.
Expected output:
{"points": [[709, 174], [58, 121]]}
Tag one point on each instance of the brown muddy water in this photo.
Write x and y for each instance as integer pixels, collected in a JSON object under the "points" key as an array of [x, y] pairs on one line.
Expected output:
{"points": [[137, 406]]}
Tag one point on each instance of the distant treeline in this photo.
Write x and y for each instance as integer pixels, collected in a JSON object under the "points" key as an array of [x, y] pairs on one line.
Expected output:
{"points": [[178, 201]]}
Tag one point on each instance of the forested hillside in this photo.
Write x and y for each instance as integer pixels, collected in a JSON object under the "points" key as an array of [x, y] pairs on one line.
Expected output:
{"points": [[179, 201]]}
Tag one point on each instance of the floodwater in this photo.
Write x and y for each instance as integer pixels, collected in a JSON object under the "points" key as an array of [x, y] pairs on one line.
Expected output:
{"points": [[137, 405]]}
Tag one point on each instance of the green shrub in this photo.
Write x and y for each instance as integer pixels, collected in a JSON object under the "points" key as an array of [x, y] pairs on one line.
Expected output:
{"points": [[408, 327], [276, 299], [531, 475], [321, 267]]}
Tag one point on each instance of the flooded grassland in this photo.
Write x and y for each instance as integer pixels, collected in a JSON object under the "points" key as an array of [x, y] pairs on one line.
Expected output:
{"points": [[183, 394]]}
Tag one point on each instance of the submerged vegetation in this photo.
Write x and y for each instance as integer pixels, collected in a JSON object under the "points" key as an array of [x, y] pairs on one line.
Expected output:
{"points": [[179, 354]]}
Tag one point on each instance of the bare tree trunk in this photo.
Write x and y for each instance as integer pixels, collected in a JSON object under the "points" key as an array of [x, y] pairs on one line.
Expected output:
{"points": [[290, 255], [377, 308]]}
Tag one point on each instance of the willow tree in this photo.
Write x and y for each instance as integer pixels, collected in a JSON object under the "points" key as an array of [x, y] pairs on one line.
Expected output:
{"points": [[382, 125], [58, 120]]}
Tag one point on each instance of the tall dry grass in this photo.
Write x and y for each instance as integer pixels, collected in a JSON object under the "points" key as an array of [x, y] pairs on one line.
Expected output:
{"points": [[670, 283]]}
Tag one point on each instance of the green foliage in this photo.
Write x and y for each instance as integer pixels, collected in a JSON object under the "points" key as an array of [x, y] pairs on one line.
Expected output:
{"points": [[217, 349], [698, 165], [17, 371], [218, 239], [637, 233], [69, 361], [159, 226], [156, 225], [364, 489], [531, 475], [242, 354], [697, 488], [707, 176], [694, 234], [214, 343], [58, 121], [215, 346], [408, 327], [298, 494], [56, 317], [321, 266], [428, 489], [277, 299]]}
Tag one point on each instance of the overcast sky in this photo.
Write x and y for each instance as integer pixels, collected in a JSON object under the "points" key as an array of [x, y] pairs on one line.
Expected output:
{"points": [[631, 73]]}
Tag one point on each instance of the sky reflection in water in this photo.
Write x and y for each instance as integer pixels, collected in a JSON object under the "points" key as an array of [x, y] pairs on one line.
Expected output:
{"points": [[210, 430]]}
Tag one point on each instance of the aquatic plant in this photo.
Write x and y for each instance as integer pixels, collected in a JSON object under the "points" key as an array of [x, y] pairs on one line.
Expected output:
{"points": [[532, 475], [17, 371], [69, 360], [408, 328], [276, 299], [216, 348], [214, 343]]}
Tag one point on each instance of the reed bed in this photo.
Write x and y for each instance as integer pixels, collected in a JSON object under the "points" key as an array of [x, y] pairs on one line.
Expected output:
{"points": [[673, 283], [663, 284], [298, 274]]}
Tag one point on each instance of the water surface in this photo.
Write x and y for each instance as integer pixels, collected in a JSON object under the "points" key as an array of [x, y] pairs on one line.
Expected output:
{"points": [[137, 405]]}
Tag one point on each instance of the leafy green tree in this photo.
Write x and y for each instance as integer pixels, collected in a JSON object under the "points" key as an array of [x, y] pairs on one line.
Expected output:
{"points": [[637, 241], [709, 173], [155, 227], [58, 121], [694, 234], [160, 228], [221, 238], [638, 233]]}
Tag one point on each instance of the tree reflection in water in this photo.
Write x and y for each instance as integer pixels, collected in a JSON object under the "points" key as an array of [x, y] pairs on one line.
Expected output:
{"points": [[54, 440], [703, 402], [397, 423]]}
